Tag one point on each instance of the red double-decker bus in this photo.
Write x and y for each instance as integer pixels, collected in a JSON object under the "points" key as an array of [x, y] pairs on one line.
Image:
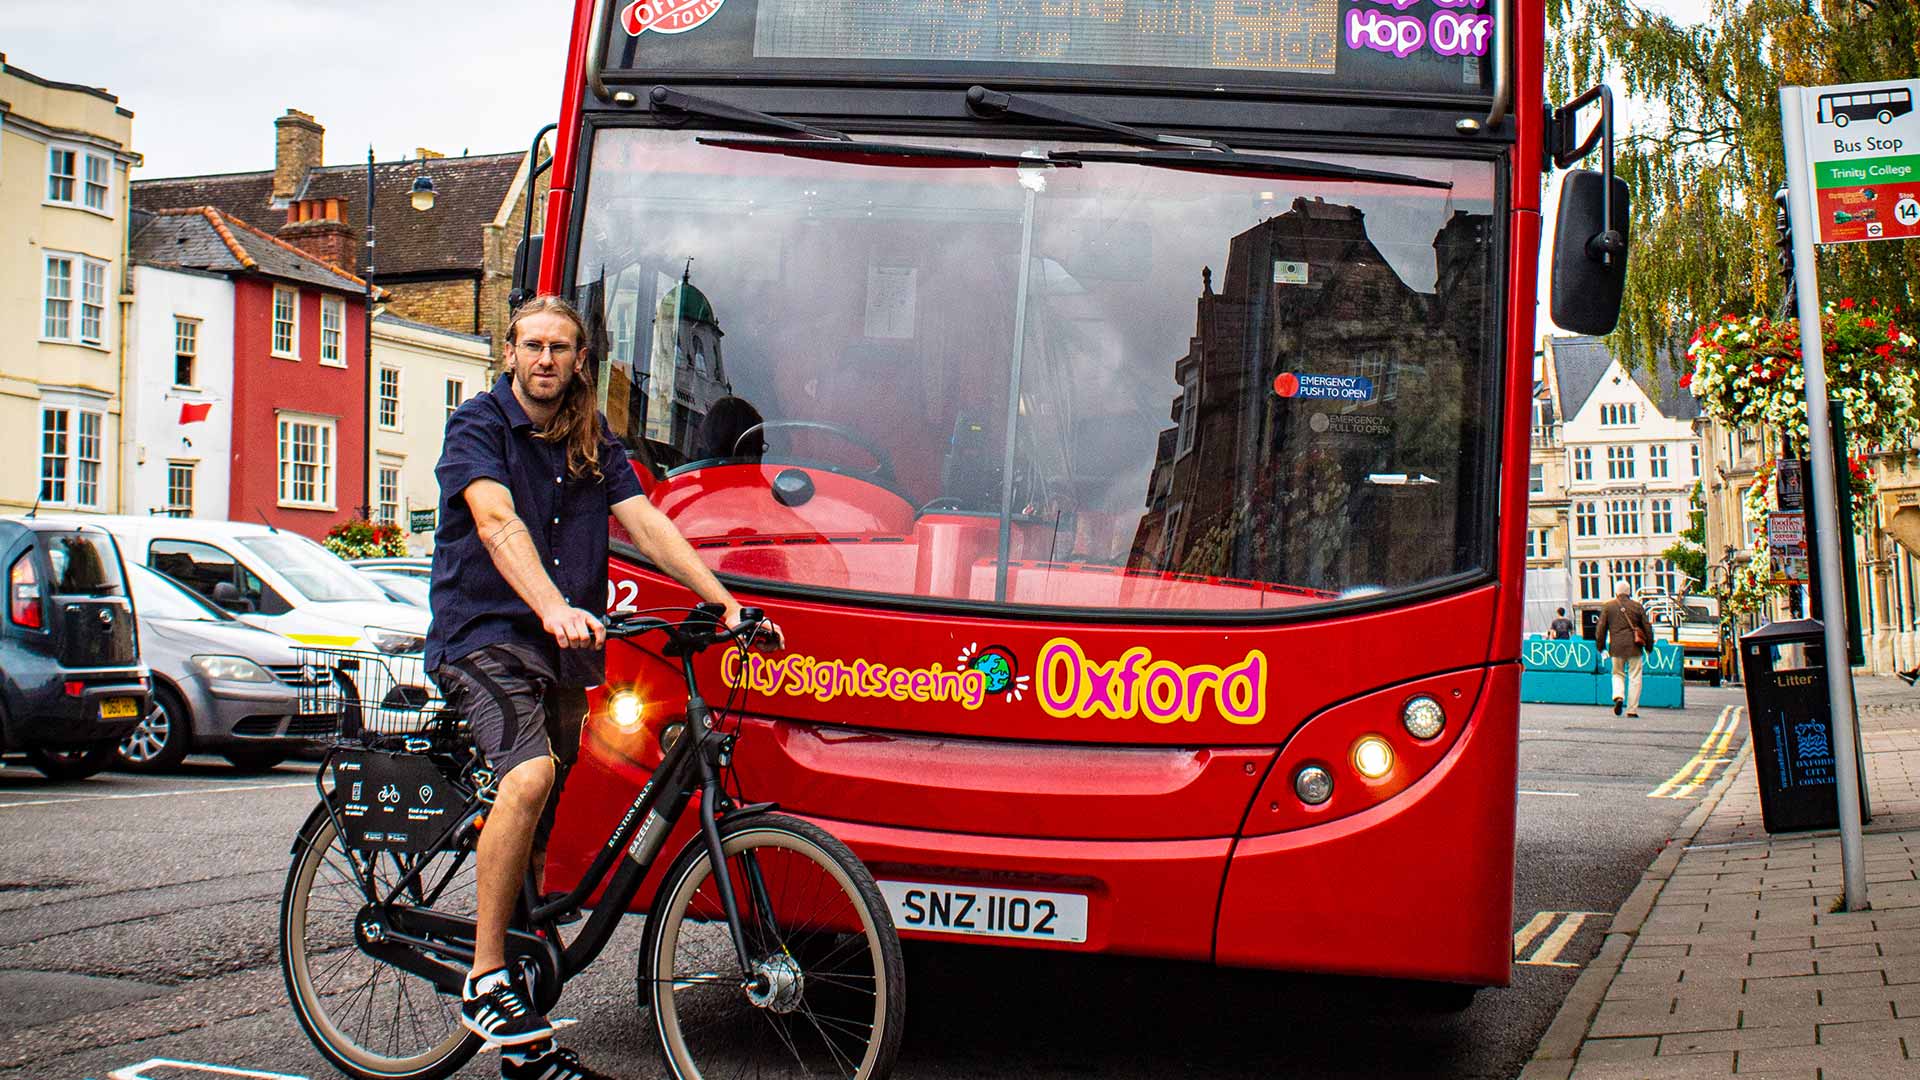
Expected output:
{"points": [[1123, 405]]}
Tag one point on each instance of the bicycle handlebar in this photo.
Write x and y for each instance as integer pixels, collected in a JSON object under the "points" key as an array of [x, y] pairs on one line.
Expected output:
{"points": [[699, 630]]}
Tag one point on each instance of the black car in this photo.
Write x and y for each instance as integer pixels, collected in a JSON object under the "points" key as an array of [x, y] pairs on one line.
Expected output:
{"points": [[71, 684]]}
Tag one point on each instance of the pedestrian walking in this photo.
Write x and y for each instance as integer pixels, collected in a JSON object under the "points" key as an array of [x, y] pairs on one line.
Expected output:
{"points": [[1561, 628], [1626, 635]]}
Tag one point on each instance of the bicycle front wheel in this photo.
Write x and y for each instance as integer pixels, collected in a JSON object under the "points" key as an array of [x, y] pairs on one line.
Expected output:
{"points": [[372, 1020], [825, 993]]}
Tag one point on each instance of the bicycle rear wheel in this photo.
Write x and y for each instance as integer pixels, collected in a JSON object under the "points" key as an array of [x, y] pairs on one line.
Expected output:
{"points": [[370, 1019], [828, 987]]}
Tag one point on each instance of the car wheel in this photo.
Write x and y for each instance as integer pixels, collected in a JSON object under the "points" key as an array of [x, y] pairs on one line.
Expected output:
{"points": [[73, 764], [163, 736], [254, 760]]}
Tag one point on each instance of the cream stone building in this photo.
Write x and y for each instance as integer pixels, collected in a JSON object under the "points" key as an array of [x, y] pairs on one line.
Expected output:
{"points": [[1614, 458], [421, 374], [64, 292]]}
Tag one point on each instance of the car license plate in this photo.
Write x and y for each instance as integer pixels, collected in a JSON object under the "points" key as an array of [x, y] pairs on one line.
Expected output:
{"points": [[118, 708], [1006, 913]]}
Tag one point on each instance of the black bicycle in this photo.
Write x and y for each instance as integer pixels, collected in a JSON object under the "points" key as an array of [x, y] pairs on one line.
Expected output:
{"points": [[768, 950]]}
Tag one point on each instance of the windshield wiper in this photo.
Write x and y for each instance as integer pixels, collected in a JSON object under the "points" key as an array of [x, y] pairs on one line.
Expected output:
{"points": [[665, 99], [994, 103], [878, 153], [1235, 161]]}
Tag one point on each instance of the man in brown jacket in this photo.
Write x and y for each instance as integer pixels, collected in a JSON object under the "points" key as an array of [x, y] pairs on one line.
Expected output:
{"points": [[1622, 630]]}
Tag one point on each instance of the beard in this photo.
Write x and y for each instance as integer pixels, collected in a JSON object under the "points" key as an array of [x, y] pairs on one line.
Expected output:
{"points": [[526, 388]]}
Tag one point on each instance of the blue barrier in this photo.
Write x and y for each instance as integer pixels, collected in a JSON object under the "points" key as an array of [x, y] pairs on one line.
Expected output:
{"points": [[1571, 671]]}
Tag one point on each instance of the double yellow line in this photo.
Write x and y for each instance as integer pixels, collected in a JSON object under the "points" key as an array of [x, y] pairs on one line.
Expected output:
{"points": [[1713, 753]]}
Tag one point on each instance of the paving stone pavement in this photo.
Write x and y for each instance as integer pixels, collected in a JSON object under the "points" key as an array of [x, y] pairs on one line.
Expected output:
{"points": [[1730, 960]]}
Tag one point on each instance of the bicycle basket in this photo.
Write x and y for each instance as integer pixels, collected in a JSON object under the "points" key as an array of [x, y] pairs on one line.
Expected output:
{"points": [[373, 693]]}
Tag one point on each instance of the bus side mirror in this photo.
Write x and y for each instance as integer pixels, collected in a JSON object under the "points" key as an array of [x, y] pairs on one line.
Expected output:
{"points": [[526, 270], [1590, 253]]}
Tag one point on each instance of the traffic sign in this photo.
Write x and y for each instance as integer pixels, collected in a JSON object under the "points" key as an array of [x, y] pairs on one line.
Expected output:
{"points": [[1863, 157]]}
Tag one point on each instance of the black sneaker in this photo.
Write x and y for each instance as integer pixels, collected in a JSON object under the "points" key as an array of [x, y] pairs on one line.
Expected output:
{"points": [[1909, 677], [1619, 706], [552, 1065], [502, 1015]]}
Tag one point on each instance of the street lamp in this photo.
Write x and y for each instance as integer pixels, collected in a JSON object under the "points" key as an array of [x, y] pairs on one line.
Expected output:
{"points": [[421, 197]]}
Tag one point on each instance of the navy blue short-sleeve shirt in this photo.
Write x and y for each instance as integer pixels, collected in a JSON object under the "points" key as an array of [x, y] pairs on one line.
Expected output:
{"points": [[491, 438]]}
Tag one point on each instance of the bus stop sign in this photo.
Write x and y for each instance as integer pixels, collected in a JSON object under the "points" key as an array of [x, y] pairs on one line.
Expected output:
{"points": [[1863, 156]]}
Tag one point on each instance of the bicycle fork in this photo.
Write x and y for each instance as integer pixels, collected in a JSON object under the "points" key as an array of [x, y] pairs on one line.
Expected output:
{"points": [[710, 796]]}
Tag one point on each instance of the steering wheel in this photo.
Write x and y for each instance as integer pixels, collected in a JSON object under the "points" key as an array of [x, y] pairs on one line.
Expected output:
{"points": [[882, 470]]}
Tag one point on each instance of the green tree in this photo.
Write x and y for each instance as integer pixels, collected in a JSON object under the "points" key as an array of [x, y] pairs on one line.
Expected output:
{"points": [[1703, 154], [1689, 553]]}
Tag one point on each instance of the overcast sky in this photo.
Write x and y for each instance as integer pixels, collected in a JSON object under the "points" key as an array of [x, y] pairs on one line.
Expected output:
{"points": [[205, 78]]}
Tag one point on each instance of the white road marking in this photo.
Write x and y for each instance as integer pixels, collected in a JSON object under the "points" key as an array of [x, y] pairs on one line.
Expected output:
{"points": [[157, 795], [134, 1072], [1548, 953], [1552, 794]]}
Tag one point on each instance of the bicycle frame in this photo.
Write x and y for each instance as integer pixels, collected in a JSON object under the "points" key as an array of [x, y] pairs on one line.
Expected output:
{"points": [[421, 940]]}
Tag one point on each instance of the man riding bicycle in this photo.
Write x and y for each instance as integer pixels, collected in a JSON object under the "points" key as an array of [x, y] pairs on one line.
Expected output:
{"points": [[528, 476]]}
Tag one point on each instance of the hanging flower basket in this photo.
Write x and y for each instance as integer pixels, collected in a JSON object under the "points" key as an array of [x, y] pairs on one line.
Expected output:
{"points": [[1749, 372], [362, 539]]}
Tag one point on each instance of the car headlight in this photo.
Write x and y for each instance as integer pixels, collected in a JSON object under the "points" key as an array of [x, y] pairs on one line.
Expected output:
{"points": [[1373, 757], [394, 641], [230, 669]]}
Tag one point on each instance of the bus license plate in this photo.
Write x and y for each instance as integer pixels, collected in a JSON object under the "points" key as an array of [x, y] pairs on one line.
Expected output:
{"points": [[118, 708], [1007, 913]]}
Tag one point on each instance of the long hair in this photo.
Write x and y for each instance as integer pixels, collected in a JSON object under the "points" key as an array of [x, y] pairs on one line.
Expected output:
{"points": [[576, 424]]}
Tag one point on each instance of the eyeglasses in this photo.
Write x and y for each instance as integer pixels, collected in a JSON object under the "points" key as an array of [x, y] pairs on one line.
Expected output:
{"points": [[559, 349]]}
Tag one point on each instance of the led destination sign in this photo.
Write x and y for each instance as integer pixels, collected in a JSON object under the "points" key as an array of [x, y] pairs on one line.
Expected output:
{"points": [[1273, 35], [1405, 47]]}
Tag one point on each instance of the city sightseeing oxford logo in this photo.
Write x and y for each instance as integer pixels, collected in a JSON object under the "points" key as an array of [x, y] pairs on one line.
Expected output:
{"points": [[667, 16], [998, 664]]}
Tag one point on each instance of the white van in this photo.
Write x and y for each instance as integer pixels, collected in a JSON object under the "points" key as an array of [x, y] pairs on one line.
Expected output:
{"points": [[275, 579]]}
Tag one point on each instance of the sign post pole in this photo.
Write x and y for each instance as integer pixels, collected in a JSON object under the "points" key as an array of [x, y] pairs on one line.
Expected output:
{"points": [[1800, 200]]}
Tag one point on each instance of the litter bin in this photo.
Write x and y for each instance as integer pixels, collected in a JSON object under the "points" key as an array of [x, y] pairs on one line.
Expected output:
{"points": [[1792, 723]]}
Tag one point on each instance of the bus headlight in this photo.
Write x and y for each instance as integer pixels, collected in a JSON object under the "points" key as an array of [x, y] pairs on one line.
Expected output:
{"points": [[1313, 784], [1423, 717], [1373, 757], [623, 708]]}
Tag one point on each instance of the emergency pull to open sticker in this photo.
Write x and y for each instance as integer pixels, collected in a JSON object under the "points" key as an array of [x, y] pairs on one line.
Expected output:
{"points": [[1289, 384], [667, 16]]}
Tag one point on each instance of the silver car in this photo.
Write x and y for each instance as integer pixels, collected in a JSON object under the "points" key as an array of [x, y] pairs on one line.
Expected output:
{"points": [[219, 685]]}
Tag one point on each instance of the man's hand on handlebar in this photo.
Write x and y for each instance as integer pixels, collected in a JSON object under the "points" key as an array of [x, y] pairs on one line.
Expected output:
{"points": [[574, 628], [766, 636]]}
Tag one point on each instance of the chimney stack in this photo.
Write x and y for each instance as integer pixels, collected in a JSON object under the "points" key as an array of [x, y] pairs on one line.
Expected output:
{"points": [[297, 147]]}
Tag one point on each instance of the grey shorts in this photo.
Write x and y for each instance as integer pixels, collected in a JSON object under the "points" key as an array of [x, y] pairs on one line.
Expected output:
{"points": [[515, 711]]}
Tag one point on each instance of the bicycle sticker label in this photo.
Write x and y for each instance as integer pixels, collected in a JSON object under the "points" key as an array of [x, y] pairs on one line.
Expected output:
{"points": [[409, 807]]}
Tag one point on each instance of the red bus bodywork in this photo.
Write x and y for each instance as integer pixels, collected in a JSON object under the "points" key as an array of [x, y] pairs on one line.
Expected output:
{"points": [[1185, 834]]}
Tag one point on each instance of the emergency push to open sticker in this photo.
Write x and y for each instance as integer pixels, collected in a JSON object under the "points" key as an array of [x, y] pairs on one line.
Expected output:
{"points": [[667, 16], [1289, 384]]}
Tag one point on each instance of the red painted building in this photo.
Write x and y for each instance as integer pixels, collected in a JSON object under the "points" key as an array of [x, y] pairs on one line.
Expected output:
{"points": [[298, 404]]}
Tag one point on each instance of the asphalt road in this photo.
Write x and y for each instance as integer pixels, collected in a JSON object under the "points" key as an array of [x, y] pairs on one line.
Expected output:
{"points": [[138, 916]]}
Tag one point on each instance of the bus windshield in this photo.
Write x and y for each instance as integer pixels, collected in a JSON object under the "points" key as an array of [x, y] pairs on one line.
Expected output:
{"points": [[1088, 381]]}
